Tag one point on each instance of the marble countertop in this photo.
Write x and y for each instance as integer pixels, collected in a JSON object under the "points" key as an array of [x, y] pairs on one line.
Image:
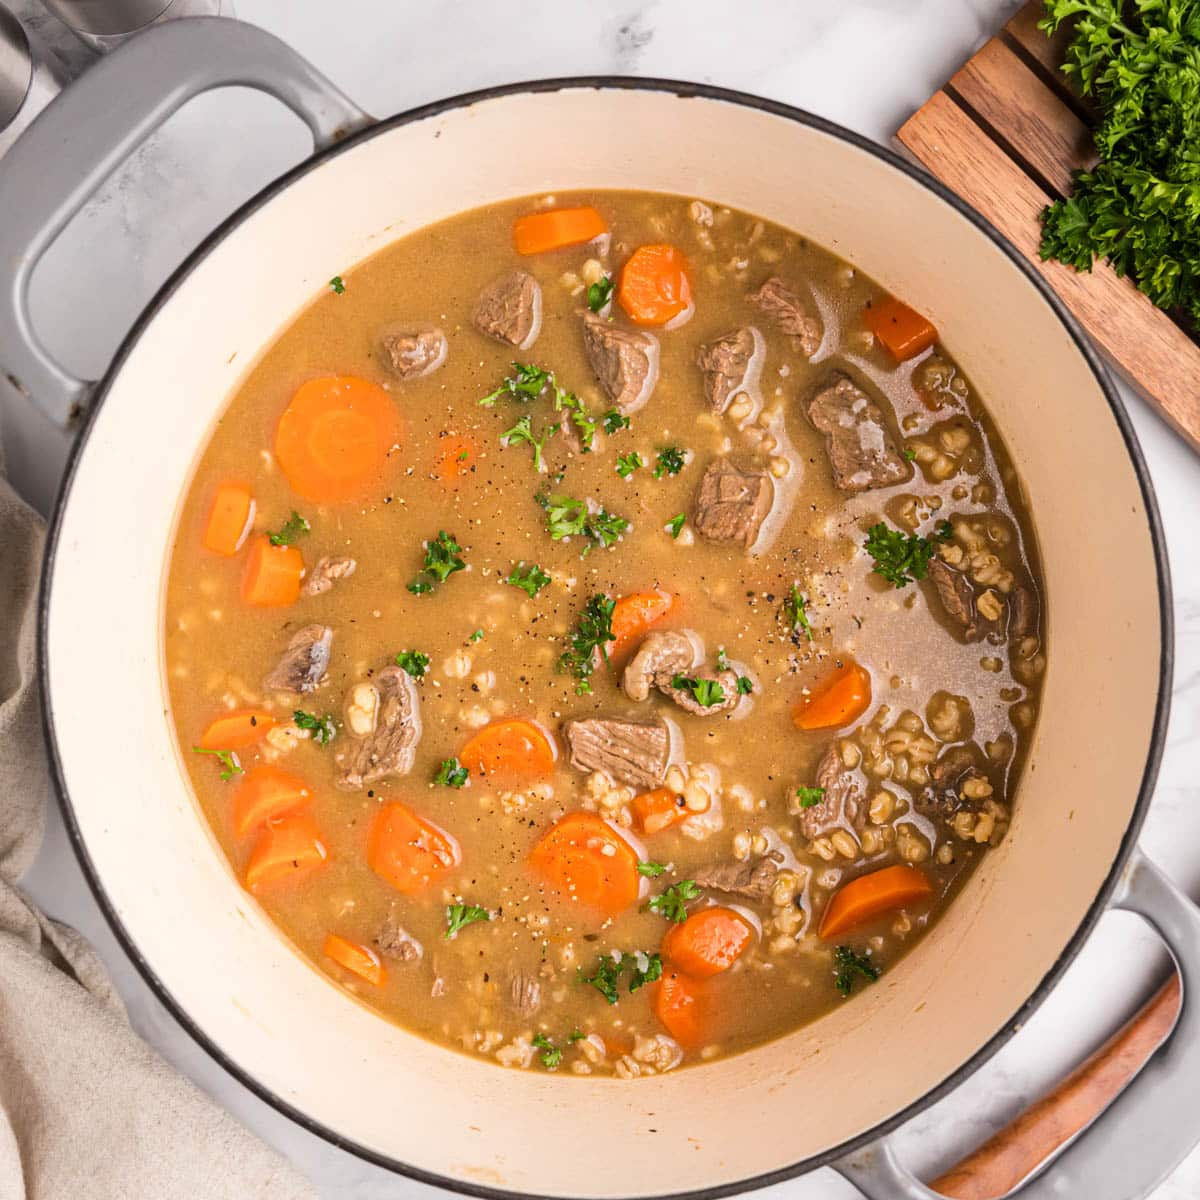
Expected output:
{"points": [[864, 63]]}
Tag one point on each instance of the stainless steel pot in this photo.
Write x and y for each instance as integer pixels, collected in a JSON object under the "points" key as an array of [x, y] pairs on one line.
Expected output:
{"points": [[212, 955]]}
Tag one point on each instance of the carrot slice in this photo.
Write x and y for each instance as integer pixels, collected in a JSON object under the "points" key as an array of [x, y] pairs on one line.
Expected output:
{"points": [[271, 577], [682, 1005], [634, 615], [903, 332], [583, 858], [229, 519], [657, 810], [869, 896], [839, 699], [408, 851], [334, 438], [654, 287], [265, 793], [513, 747], [456, 458], [361, 960], [237, 730], [538, 232], [287, 848], [708, 942]]}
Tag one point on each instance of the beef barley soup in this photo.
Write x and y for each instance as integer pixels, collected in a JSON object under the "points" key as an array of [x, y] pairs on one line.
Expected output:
{"points": [[604, 632]]}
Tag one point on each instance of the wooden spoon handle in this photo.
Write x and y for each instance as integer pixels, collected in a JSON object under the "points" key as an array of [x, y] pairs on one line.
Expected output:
{"points": [[1011, 1155]]}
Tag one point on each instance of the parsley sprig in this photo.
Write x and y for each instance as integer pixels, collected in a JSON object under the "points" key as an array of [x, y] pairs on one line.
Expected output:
{"points": [[230, 764], [323, 729], [849, 966], [526, 383], [294, 527], [672, 903], [459, 916], [588, 642], [443, 556], [550, 1055], [902, 557], [451, 773], [810, 797], [522, 431], [628, 463], [530, 579], [644, 968], [795, 612], [567, 517], [706, 692], [669, 461], [414, 662], [615, 420], [598, 293]]}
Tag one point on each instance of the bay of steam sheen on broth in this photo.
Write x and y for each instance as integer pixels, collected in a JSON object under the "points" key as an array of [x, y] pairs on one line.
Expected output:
{"points": [[718, 445]]}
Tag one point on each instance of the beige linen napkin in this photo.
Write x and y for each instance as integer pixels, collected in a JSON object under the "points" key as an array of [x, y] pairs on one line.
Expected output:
{"points": [[87, 1110]]}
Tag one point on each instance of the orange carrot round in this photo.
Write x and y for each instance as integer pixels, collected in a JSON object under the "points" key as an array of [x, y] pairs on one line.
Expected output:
{"points": [[583, 858], [657, 810], [901, 330], [654, 287], [334, 438], [838, 700], [266, 792], [870, 896], [456, 458], [634, 615], [708, 942], [682, 1005], [272, 574], [511, 747], [229, 519], [357, 958], [408, 851], [237, 730], [555, 228], [287, 848]]}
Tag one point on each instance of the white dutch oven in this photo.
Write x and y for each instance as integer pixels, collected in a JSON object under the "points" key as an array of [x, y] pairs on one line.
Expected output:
{"points": [[203, 944]]}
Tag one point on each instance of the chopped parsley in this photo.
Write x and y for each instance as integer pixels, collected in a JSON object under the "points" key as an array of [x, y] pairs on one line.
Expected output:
{"points": [[675, 525], [849, 966], [338, 285], [323, 728], [810, 797], [566, 518], [459, 916], [645, 968], [588, 642], [795, 612], [451, 773], [745, 685], [910, 454], [706, 692], [526, 383], [599, 293], [530, 579], [550, 1055], [585, 424], [651, 870], [902, 557], [615, 420], [577, 1035], [476, 636], [414, 662], [443, 556], [295, 526], [670, 461], [522, 431], [230, 765], [672, 903], [628, 463]]}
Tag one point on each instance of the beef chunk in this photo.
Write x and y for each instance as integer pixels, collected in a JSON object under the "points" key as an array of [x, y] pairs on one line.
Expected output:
{"points": [[943, 798], [752, 880], [327, 571], [842, 803], [660, 657], [730, 696], [510, 310], [957, 594], [304, 662], [412, 353], [625, 362], [787, 310], [731, 505], [628, 751], [1022, 613], [726, 363], [861, 449], [524, 994], [391, 745], [396, 942]]}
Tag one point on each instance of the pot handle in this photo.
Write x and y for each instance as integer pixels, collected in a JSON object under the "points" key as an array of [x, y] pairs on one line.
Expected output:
{"points": [[1148, 1129], [92, 126]]}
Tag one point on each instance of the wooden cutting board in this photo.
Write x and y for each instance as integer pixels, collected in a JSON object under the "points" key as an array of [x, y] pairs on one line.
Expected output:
{"points": [[1005, 133]]}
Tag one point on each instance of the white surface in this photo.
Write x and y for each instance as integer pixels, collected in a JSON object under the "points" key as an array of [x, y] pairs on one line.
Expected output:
{"points": [[864, 64]]}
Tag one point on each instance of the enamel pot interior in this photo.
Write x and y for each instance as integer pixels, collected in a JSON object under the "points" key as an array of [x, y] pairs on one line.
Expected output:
{"points": [[424, 1109]]}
